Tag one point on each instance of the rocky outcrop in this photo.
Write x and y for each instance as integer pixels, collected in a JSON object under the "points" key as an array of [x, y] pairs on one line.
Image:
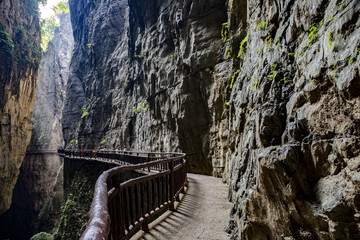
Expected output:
{"points": [[19, 61], [40, 181], [262, 93], [51, 89], [293, 119], [142, 73]]}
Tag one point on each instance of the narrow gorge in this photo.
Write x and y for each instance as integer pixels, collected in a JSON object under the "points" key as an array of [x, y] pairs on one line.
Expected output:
{"points": [[262, 94]]}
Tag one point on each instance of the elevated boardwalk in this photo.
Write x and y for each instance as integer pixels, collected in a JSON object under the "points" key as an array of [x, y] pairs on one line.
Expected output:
{"points": [[203, 213], [121, 208]]}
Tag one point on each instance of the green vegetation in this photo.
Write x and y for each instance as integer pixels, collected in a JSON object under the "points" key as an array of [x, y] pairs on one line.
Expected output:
{"points": [[61, 8], [312, 35], [268, 39], [256, 83], [273, 69], [73, 142], [227, 50], [144, 55], [350, 59], [224, 32], [141, 107], [65, 222], [330, 38], [49, 25], [6, 44], [242, 50], [74, 212], [277, 41], [334, 72], [313, 32], [262, 25], [103, 142], [6, 52], [42, 236], [85, 112], [233, 78]]}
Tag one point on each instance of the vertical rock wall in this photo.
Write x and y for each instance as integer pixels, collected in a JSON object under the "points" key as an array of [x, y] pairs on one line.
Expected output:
{"points": [[51, 89], [293, 119], [19, 61], [263, 93], [142, 74], [39, 188]]}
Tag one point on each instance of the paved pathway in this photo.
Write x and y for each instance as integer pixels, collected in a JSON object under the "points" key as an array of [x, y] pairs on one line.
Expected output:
{"points": [[202, 214]]}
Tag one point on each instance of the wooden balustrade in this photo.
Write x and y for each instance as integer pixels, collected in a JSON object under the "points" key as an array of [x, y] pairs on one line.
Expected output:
{"points": [[118, 212]]}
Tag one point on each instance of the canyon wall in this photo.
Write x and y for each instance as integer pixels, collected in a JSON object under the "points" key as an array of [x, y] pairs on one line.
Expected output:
{"points": [[141, 74], [293, 119], [38, 194], [19, 62], [262, 93]]}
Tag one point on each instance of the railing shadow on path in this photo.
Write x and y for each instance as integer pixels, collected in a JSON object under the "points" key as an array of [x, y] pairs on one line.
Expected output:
{"points": [[169, 224], [119, 208]]}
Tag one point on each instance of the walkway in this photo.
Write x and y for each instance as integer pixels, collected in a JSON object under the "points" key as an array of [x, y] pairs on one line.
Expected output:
{"points": [[202, 214]]}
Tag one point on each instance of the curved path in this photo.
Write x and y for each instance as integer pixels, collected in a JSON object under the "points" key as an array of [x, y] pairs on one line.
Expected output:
{"points": [[202, 214]]}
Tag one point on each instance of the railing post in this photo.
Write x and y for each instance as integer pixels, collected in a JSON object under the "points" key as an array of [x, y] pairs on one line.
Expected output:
{"points": [[122, 226], [172, 200]]}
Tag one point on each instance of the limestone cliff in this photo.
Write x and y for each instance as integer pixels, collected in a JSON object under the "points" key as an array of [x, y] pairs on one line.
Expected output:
{"points": [[39, 191], [51, 89], [141, 74], [263, 93], [293, 119], [19, 61]]}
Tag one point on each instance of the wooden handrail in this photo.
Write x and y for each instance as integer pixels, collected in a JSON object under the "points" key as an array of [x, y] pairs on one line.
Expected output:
{"points": [[117, 212]]}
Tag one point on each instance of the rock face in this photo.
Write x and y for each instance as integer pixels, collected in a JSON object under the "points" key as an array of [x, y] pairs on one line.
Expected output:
{"points": [[19, 61], [51, 89], [40, 180], [262, 93], [143, 73], [293, 119]]}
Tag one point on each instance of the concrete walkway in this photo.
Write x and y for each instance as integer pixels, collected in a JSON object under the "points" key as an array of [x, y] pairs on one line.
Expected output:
{"points": [[202, 214]]}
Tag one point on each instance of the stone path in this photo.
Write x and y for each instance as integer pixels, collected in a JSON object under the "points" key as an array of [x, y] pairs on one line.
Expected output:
{"points": [[202, 214]]}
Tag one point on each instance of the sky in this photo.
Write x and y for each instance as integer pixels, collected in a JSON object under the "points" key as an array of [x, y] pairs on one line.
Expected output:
{"points": [[46, 11]]}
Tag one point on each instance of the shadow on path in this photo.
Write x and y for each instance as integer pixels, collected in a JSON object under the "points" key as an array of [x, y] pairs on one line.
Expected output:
{"points": [[195, 214]]}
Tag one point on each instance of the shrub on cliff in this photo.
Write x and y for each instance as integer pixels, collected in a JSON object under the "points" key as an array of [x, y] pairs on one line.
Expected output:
{"points": [[42, 236]]}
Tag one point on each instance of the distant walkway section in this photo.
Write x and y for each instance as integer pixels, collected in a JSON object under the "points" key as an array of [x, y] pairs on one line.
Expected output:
{"points": [[202, 214]]}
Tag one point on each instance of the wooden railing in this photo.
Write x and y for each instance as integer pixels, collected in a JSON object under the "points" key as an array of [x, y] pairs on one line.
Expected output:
{"points": [[119, 208], [41, 151]]}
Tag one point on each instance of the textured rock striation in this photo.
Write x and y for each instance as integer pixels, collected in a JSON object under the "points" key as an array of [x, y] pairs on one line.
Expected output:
{"points": [[262, 93], [19, 62], [51, 89], [293, 119], [142, 73], [40, 185]]}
